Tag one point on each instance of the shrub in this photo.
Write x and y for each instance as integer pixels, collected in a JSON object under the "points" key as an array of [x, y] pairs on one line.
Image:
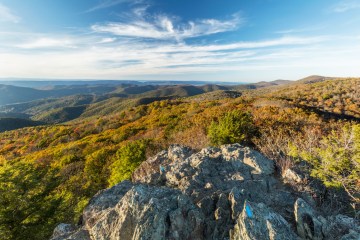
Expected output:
{"points": [[336, 161], [28, 206], [94, 166], [233, 127], [127, 158]]}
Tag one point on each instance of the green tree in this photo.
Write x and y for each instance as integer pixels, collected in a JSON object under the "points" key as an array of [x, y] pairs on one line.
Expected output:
{"points": [[127, 159], [233, 127], [27, 208], [95, 169], [337, 162]]}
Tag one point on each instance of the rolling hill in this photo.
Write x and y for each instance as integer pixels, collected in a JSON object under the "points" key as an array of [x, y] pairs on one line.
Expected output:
{"points": [[12, 94], [66, 108], [97, 100], [8, 124]]}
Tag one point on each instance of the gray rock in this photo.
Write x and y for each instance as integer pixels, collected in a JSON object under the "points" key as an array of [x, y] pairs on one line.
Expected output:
{"points": [[149, 171], [63, 230], [237, 199], [307, 223], [292, 176], [146, 213], [259, 222], [352, 235], [103, 200], [341, 227], [312, 225], [259, 163], [69, 232]]}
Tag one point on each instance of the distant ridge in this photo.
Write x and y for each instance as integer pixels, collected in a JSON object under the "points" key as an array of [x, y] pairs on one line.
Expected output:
{"points": [[40, 83], [314, 79]]}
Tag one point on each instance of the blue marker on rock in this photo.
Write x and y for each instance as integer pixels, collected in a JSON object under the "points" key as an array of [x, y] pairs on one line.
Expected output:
{"points": [[248, 211]]}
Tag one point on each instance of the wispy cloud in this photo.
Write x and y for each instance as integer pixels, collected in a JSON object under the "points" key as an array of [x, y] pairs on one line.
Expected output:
{"points": [[166, 27], [300, 30], [345, 5], [284, 41], [128, 58], [7, 16], [110, 3], [46, 42], [107, 40]]}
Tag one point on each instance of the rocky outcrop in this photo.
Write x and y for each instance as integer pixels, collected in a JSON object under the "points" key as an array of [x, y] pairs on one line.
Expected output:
{"points": [[229, 192], [148, 213]]}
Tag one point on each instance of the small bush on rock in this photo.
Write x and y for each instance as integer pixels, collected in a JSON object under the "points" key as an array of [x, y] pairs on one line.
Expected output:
{"points": [[233, 127]]}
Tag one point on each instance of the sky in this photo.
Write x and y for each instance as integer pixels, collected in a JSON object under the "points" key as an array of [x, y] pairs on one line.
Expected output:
{"points": [[210, 40]]}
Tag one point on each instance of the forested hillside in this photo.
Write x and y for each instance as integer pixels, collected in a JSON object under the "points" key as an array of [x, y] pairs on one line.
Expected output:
{"points": [[12, 94], [64, 103], [7, 124], [341, 96], [49, 173]]}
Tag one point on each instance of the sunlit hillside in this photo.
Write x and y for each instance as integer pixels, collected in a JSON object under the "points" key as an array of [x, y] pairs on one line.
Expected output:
{"points": [[65, 165]]}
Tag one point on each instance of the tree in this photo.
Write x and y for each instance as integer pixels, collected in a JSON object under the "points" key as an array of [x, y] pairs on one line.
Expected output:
{"points": [[337, 162], [127, 159], [95, 167], [28, 209], [233, 127]]}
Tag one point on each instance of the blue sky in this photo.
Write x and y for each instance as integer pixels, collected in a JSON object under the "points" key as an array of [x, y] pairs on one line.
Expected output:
{"points": [[223, 40]]}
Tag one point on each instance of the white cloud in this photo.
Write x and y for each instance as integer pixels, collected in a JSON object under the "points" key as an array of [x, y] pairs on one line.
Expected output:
{"points": [[300, 30], [284, 41], [346, 5], [45, 42], [166, 28], [107, 40], [7, 16], [132, 59], [110, 3], [91, 63]]}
